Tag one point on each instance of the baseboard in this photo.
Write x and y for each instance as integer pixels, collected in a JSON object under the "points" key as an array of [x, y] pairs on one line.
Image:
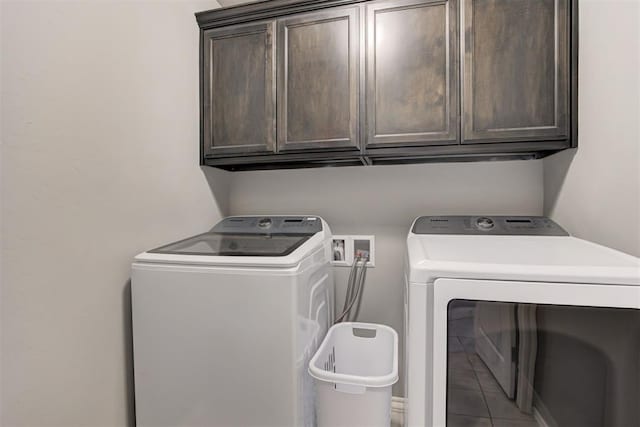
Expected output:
{"points": [[397, 404], [397, 411]]}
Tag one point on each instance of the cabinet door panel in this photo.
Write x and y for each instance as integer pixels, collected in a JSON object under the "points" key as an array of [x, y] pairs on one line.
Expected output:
{"points": [[515, 69], [412, 72], [238, 90], [318, 80]]}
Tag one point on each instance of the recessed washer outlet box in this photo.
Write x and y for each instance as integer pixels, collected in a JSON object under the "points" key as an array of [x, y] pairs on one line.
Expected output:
{"points": [[346, 248]]}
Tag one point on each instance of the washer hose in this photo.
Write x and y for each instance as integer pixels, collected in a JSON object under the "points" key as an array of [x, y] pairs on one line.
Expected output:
{"points": [[354, 289]]}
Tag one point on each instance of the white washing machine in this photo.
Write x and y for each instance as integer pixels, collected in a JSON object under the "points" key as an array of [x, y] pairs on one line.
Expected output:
{"points": [[511, 321], [225, 323]]}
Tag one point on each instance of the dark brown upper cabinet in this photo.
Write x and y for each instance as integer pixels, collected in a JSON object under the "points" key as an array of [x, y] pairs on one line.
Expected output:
{"points": [[238, 91], [318, 80], [412, 73], [305, 83], [516, 70]]}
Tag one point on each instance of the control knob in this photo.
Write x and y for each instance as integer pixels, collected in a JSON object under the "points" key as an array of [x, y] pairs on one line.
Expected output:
{"points": [[264, 223], [485, 223]]}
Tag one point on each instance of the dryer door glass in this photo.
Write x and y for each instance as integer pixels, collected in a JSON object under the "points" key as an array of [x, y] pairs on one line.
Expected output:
{"points": [[227, 244], [527, 364]]}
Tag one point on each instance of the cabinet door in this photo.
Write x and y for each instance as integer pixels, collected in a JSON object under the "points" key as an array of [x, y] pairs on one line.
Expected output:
{"points": [[412, 72], [238, 90], [318, 80], [515, 70]]}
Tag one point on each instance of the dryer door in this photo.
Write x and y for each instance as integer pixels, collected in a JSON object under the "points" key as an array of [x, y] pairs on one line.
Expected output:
{"points": [[555, 354]]}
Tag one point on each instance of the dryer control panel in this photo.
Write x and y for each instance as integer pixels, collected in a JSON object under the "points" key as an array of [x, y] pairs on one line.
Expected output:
{"points": [[269, 225], [488, 225]]}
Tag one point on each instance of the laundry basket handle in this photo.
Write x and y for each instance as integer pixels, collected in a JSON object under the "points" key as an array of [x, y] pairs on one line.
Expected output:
{"points": [[364, 332]]}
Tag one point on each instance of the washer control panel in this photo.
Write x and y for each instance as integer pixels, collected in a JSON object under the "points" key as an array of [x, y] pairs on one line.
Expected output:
{"points": [[269, 225], [488, 225]]}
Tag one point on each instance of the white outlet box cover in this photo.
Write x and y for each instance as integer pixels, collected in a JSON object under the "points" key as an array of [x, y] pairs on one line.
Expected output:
{"points": [[344, 244]]}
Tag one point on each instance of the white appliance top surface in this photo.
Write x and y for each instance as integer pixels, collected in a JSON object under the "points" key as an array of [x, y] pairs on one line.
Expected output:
{"points": [[525, 250], [230, 245], [529, 258]]}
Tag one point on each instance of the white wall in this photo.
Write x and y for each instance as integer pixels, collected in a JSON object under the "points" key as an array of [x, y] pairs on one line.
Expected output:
{"points": [[99, 162], [383, 201], [594, 191]]}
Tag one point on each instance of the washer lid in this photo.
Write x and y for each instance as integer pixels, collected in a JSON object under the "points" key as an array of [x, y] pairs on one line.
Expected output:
{"points": [[519, 258], [248, 236], [260, 241], [235, 244]]}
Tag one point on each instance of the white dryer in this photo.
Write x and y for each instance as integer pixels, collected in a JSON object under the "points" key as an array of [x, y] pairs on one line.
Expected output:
{"points": [[552, 332], [225, 323]]}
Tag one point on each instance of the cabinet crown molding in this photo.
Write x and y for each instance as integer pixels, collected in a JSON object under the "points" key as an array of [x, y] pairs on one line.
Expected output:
{"points": [[267, 9]]}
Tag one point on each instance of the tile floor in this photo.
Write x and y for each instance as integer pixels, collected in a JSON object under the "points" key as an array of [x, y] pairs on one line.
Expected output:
{"points": [[475, 398]]}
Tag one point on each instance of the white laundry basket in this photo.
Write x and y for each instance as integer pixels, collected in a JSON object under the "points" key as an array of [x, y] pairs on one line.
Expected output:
{"points": [[354, 369]]}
